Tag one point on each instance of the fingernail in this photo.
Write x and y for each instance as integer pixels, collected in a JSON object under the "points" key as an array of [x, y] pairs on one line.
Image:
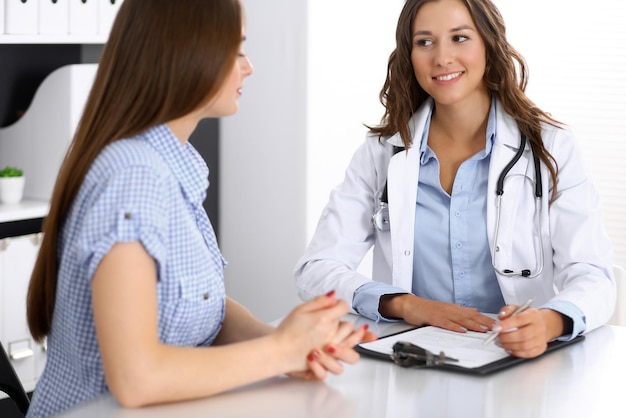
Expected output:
{"points": [[365, 327], [331, 293], [496, 328], [330, 349], [310, 357], [463, 329], [484, 328], [502, 313]]}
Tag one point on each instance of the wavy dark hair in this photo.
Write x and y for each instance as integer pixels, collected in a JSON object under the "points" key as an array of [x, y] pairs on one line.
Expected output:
{"points": [[163, 59], [506, 77]]}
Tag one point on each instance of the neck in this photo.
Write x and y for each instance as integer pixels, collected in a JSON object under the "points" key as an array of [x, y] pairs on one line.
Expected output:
{"points": [[183, 127], [463, 121]]}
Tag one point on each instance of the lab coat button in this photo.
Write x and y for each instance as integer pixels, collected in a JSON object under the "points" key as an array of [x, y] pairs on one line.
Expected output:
{"points": [[407, 252]]}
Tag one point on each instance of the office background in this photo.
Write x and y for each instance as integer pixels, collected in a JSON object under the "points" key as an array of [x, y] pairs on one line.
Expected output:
{"points": [[319, 66]]}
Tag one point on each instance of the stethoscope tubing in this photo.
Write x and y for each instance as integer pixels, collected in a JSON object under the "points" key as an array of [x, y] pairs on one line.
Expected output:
{"points": [[380, 217]]}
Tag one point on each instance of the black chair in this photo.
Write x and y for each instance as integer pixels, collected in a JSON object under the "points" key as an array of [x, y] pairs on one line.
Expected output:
{"points": [[11, 384]]}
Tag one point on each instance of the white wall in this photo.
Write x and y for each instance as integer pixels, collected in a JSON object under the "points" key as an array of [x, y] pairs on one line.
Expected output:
{"points": [[262, 202], [349, 45], [576, 53], [319, 66]]}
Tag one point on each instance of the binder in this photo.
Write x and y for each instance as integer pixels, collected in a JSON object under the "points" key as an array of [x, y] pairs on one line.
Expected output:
{"points": [[424, 337], [21, 17], [1, 17], [107, 10], [53, 17], [83, 17]]}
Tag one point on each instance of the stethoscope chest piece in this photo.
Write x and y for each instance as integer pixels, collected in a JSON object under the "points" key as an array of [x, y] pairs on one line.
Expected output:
{"points": [[380, 218]]}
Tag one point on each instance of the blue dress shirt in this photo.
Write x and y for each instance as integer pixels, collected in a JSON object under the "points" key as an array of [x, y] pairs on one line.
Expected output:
{"points": [[452, 258], [149, 189]]}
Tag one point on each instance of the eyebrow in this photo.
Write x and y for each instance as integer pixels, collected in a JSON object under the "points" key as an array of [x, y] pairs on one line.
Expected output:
{"points": [[456, 29]]}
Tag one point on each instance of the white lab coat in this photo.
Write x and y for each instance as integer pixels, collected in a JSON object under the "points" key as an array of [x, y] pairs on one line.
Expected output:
{"points": [[576, 249]]}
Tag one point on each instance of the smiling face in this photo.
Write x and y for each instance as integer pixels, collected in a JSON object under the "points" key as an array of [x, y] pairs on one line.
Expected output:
{"points": [[448, 54]]}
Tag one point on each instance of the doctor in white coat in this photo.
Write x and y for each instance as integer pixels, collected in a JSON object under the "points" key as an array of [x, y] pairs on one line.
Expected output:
{"points": [[449, 242]]}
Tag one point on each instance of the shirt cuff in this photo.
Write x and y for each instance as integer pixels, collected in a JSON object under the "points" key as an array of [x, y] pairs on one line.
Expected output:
{"points": [[367, 297], [579, 323]]}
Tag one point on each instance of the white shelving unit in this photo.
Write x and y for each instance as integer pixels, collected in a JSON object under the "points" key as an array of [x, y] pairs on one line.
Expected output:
{"points": [[37, 143], [26, 209], [51, 39]]}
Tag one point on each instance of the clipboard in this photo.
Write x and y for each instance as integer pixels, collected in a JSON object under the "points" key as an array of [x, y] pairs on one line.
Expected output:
{"points": [[505, 361]]}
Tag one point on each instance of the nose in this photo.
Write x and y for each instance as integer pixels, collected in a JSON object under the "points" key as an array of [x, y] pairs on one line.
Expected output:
{"points": [[444, 54], [246, 66]]}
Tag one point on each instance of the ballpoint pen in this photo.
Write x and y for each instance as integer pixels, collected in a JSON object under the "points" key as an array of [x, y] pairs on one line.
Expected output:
{"points": [[519, 310]]}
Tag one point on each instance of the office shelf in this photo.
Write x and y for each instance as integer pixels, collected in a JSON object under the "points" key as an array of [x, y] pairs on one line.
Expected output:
{"points": [[26, 209], [52, 39]]}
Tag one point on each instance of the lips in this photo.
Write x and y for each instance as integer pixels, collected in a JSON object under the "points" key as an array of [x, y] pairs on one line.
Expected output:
{"points": [[448, 77]]}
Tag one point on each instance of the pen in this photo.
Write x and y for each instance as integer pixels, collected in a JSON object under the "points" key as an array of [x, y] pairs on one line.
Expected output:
{"points": [[519, 310]]}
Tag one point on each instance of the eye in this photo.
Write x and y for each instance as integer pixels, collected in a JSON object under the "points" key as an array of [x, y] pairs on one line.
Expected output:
{"points": [[459, 38], [423, 43]]}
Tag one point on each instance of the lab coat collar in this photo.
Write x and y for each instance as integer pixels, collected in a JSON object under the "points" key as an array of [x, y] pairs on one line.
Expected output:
{"points": [[416, 125], [507, 132]]}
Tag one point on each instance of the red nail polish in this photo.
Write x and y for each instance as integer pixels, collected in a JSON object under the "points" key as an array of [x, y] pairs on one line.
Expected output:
{"points": [[330, 349], [331, 293], [310, 357], [365, 327]]}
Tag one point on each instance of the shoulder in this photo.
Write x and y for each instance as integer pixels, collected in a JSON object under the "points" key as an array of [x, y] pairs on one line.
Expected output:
{"points": [[131, 172], [129, 152], [559, 139], [127, 156]]}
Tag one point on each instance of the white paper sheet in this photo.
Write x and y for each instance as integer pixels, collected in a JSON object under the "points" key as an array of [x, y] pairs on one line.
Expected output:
{"points": [[467, 347]]}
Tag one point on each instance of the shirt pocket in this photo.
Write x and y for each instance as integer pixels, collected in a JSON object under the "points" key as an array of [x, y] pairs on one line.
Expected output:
{"points": [[194, 316]]}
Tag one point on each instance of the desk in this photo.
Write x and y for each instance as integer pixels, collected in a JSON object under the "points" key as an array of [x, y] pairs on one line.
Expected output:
{"points": [[583, 380]]}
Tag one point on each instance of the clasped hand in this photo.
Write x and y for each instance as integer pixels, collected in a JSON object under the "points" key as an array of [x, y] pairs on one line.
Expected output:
{"points": [[320, 341]]}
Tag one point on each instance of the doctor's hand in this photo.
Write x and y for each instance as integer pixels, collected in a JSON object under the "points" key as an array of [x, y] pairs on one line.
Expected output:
{"points": [[421, 311], [527, 334]]}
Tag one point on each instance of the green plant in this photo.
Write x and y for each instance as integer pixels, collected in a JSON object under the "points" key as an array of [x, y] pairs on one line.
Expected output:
{"points": [[11, 172]]}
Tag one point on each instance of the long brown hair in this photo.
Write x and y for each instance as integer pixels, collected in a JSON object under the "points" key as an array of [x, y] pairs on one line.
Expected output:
{"points": [[506, 77], [163, 59]]}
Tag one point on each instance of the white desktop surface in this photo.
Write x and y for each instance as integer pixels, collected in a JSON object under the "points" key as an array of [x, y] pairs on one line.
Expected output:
{"points": [[582, 380]]}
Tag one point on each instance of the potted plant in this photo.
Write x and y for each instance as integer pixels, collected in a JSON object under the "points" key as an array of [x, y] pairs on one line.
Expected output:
{"points": [[11, 185]]}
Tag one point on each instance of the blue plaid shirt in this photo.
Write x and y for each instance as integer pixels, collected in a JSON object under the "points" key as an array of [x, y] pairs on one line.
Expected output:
{"points": [[150, 189]]}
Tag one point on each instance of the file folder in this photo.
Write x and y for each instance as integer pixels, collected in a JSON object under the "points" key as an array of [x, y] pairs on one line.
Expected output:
{"points": [[21, 17], [107, 11], [1, 17], [83, 17], [53, 17]]}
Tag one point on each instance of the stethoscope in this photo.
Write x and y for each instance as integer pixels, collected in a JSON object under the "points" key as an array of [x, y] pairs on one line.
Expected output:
{"points": [[380, 217]]}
